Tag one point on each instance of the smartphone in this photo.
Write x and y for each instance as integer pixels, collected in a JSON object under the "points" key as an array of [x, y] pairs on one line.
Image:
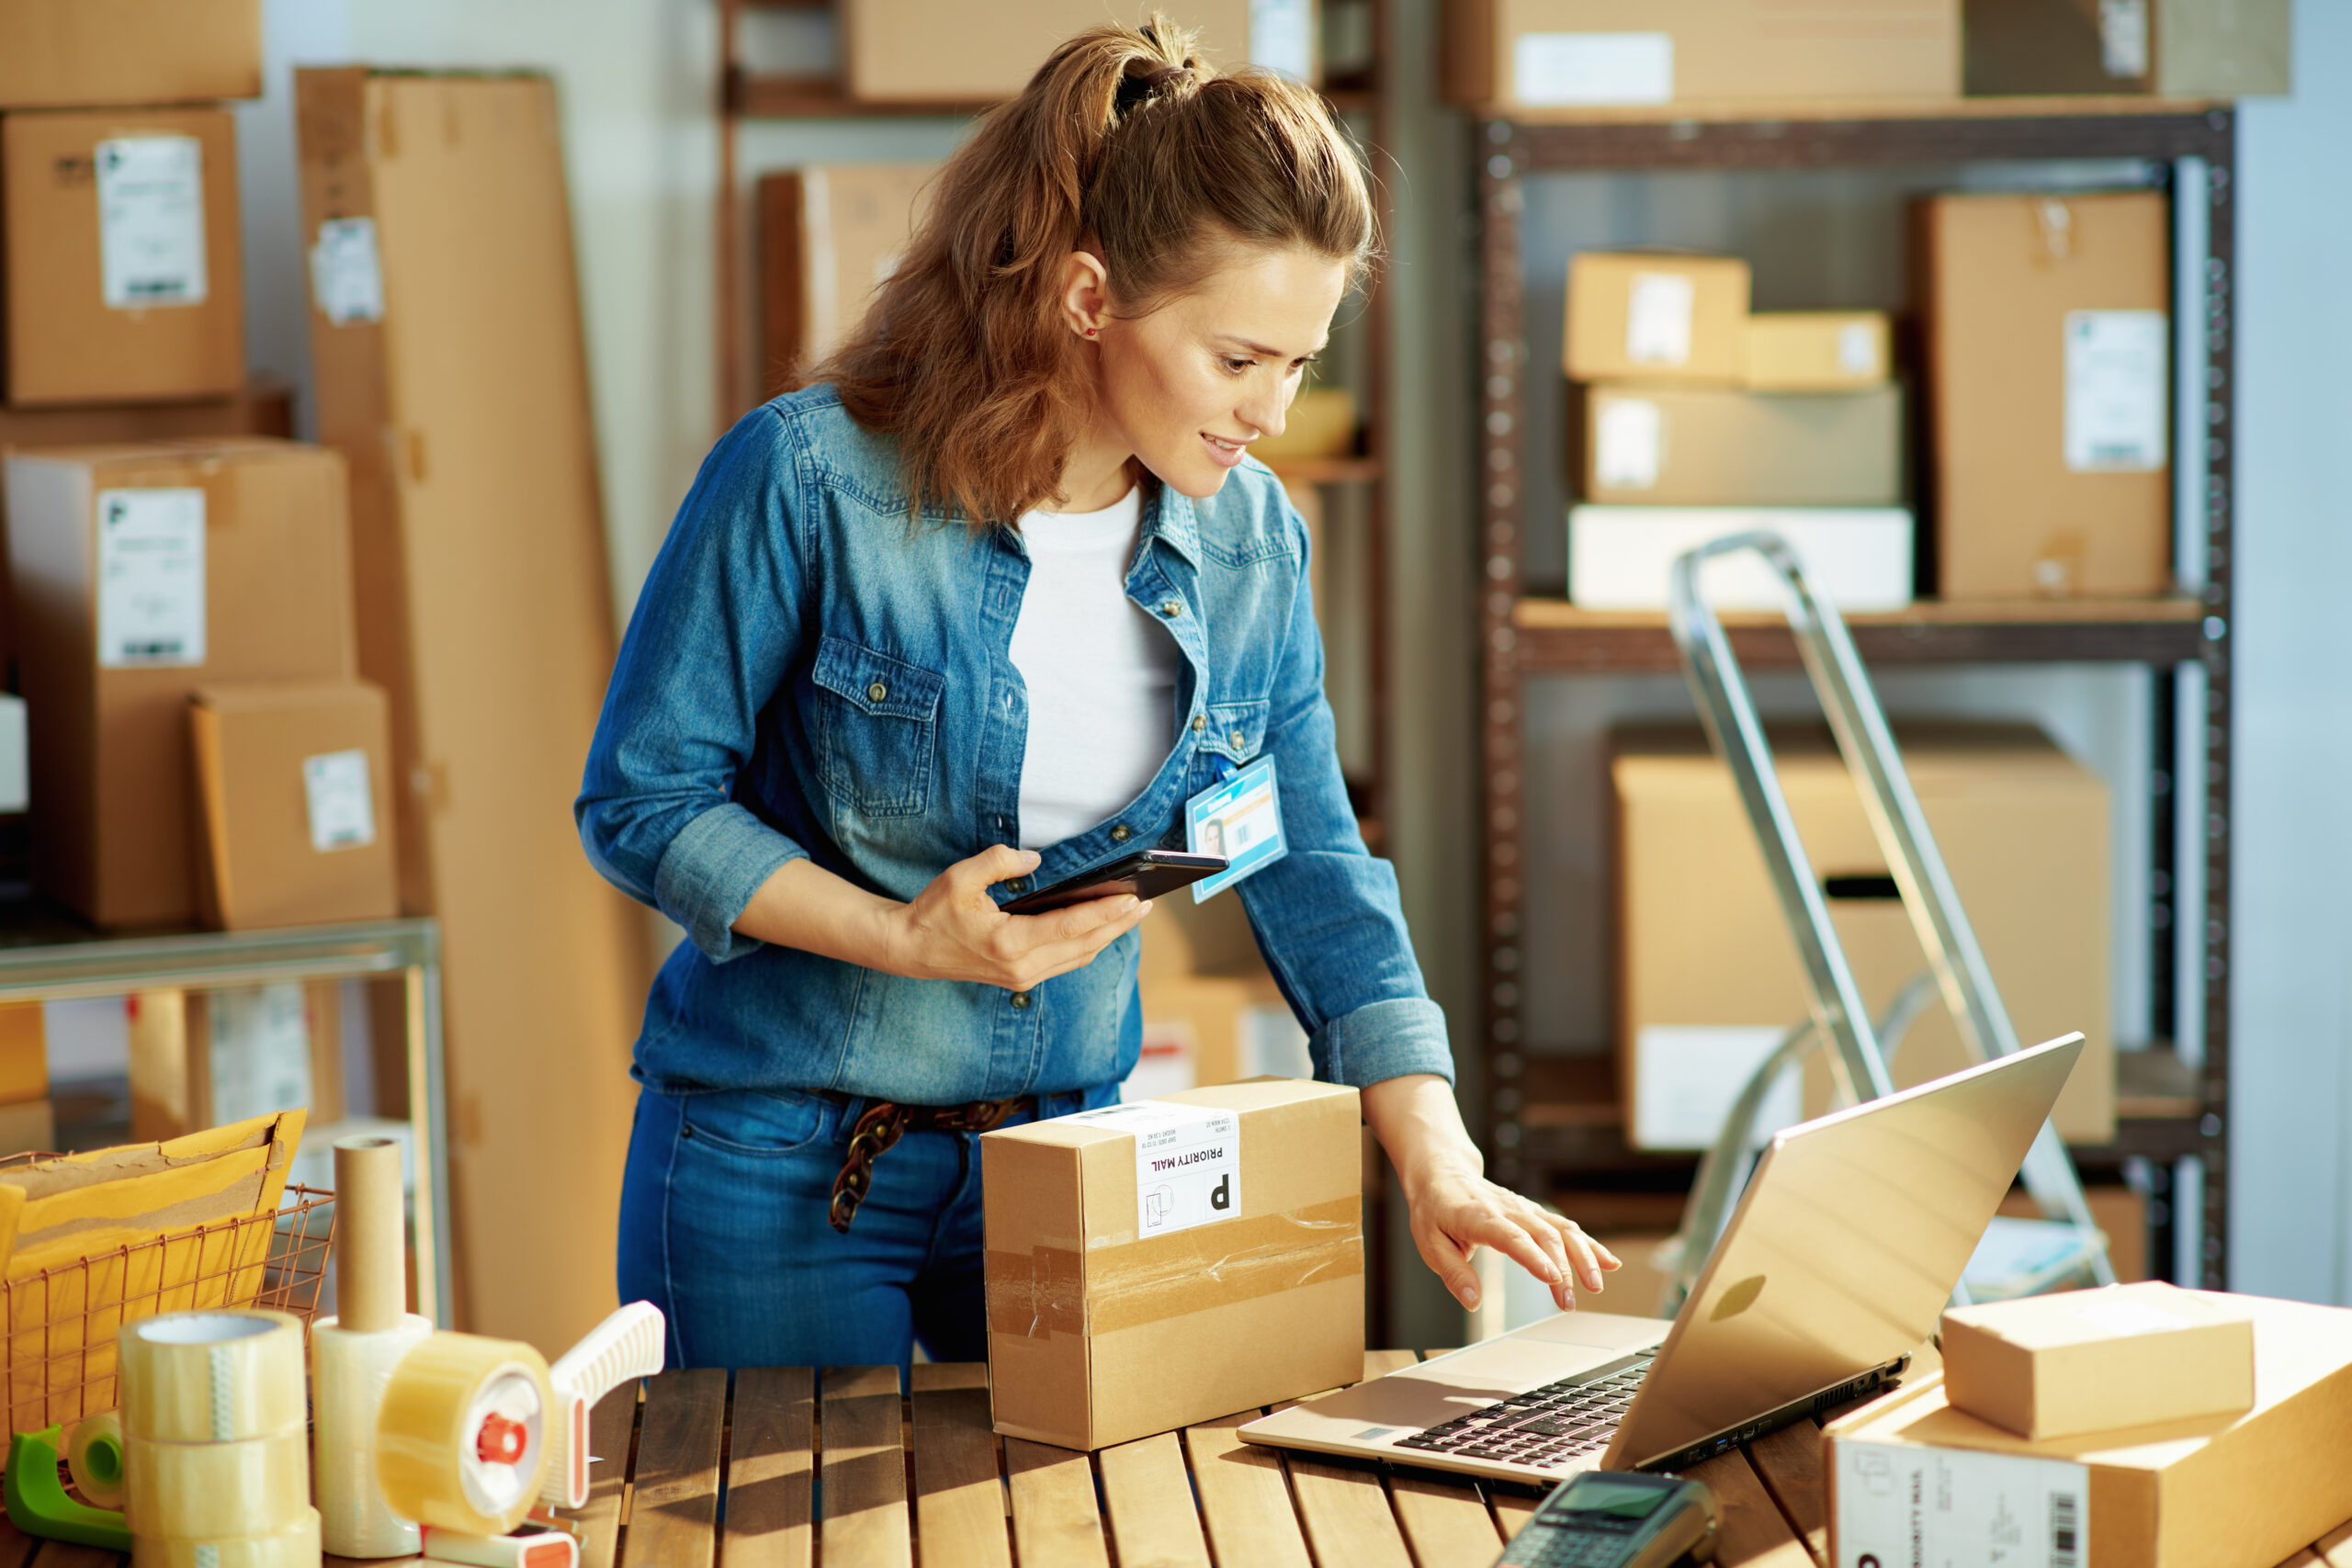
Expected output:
{"points": [[1145, 874]]}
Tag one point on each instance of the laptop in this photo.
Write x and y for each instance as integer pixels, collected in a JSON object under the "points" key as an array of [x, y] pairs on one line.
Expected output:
{"points": [[1837, 1264]]}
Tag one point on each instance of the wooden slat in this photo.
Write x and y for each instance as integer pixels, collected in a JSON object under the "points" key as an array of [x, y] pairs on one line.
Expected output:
{"points": [[1445, 1522], [864, 1466], [1243, 1496], [612, 1439], [1153, 1518], [1055, 1522], [1753, 1530], [1345, 1512], [2306, 1558], [674, 1511], [959, 1497], [62, 1554], [1512, 1510], [770, 1470], [15, 1546], [931, 1377], [1789, 1461]]}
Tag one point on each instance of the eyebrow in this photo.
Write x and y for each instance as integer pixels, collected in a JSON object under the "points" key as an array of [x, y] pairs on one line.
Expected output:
{"points": [[1262, 352]]}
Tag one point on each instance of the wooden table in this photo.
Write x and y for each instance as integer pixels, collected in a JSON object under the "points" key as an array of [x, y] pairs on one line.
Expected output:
{"points": [[894, 1469]]}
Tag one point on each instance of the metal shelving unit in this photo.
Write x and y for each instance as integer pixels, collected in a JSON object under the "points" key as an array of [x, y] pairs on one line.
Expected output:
{"points": [[1552, 1118]]}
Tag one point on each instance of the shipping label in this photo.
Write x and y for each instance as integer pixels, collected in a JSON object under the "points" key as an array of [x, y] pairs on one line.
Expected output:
{"points": [[151, 577], [150, 221], [2116, 386], [1565, 69], [341, 808], [1902, 1506], [259, 1051], [347, 277], [1658, 319], [1188, 1162], [1627, 438]]}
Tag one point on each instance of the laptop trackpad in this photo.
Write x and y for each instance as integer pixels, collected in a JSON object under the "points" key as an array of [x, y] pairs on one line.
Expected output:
{"points": [[1500, 1368]]}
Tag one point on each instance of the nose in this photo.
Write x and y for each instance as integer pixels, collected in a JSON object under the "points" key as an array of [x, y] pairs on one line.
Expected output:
{"points": [[1266, 411]]}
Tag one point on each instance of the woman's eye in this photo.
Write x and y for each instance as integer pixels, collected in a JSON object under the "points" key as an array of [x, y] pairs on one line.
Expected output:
{"points": [[1237, 365]]}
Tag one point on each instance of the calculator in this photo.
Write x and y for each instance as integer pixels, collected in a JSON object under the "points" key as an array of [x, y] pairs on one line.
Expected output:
{"points": [[1612, 1519]]}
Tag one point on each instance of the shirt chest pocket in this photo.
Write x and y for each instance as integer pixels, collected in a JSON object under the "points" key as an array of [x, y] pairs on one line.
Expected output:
{"points": [[1234, 731], [879, 717]]}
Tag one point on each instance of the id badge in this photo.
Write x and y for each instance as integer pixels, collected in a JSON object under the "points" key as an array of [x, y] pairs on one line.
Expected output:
{"points": [[1239, 817]]}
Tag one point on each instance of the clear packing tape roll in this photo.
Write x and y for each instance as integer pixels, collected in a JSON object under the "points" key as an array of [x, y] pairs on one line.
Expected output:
{"points": [[295, 1548], [210, 1491], [211, 1376], [94, 1454], [350, 1373], [462, 1435]]}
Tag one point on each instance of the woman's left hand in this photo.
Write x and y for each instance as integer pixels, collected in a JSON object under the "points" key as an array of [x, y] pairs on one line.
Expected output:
{"points": [[1455, 1209]]}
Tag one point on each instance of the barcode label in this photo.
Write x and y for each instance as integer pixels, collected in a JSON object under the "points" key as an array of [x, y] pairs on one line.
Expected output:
{"points": [[1909, 1504], [2065, 1531]]}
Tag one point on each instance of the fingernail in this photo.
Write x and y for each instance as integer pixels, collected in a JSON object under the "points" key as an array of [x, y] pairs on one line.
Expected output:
{"points": [[1127, 904], [1592, 1280], [1551, 1275], [1147, 906], [1470, 1297]]}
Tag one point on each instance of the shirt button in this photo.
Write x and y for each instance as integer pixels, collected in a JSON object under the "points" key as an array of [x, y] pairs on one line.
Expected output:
{"points": [[1200, 722], [1236, 738], [1171, 608], [1021, 998], [877, 692], [1121, 834], [1018, 884]]}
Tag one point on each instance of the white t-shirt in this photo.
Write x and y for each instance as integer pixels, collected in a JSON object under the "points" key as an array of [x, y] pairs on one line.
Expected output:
{"points": [[1101, 671]]}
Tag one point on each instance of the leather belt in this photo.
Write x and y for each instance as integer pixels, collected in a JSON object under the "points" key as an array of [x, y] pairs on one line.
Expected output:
{"points": [[884, 1122]]}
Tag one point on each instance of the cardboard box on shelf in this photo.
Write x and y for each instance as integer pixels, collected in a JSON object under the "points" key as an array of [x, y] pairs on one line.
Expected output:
{"points": [[941, 52], [1655, 316], [1212, 1013], [66, 53], [294, 781], [2174, 49], [1818, 350], [1708, 976], [442, 243], [1621, 558], [119, 237], [828, 234], [1726, 446], [2085, 1361], [2122, 1217], [24, 1053], [28, 1126], [141, 573], [1106, 1321], [1570, 55], [1321, 422], [2049, 392], [2220, 1492]]}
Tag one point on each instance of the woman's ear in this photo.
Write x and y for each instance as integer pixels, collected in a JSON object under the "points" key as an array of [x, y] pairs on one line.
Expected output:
{"points": [[1085, 294]]}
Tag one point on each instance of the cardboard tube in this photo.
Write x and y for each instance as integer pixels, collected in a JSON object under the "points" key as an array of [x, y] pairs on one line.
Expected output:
{"points": [[203, 1491], [371, 1236], [349, 1371], [202, 1377], [294, 1548]]}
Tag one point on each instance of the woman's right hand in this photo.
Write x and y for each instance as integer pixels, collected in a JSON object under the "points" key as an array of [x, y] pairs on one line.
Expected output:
{"points": [[953, 931]]}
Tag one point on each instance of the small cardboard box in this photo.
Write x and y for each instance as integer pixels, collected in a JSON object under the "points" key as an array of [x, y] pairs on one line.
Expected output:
{"points": [[1818, 350], [140, 574], [121, 243], [1170, 1261], [947, 51], [829, 233], [2174, 49], [1570, 55], [2049, 392], [2244, 1491], [295, 786], [2079, 1361], [1621, 557], [1644, 316], [1726, 446], [24, 1053], [28, 1126], [65, 53]]}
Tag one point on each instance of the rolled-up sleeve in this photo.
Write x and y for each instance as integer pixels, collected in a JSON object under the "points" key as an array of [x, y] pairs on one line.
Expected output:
{"points": [[1326, 916], [717, 626]]}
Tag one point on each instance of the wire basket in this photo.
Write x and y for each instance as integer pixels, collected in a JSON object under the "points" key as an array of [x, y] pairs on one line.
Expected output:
{"points": [[59, 1353]]}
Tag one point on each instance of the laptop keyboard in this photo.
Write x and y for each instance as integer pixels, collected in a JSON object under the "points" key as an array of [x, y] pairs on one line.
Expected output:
{"points": [[1545, 1427]]}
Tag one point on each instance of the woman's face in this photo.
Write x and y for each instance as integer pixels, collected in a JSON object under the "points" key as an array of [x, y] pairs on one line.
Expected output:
{"points": [[1188, 385]]}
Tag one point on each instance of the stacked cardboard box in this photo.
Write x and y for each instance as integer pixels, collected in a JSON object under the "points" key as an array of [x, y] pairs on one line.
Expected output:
{"points": [[945, 52], [27, 1118], [1212, 1013], [1692, 418], [2173, 48]]}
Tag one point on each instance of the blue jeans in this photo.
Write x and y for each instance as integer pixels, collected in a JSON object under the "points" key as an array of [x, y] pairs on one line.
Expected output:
{"points": [[724, 1227]]}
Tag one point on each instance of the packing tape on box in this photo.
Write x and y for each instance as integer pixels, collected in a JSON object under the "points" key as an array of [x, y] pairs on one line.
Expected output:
{"points": [[462, 1435], [213, 1377], [349, 1373], [1055, 1290], [94, 1454], [254, 1486], [295, 1548]]}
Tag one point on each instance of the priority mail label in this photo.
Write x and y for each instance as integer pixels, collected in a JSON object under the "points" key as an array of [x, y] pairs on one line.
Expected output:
{"points": [[151, 577], [150, 221], [1900, 1506], [1188, 1162], [341, 805]]}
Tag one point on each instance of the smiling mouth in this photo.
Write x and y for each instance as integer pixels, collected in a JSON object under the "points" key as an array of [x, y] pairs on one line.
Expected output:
{"points": [[1229, 452]]}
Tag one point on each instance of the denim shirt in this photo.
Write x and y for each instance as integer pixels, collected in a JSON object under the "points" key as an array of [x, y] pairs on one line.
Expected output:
{"points": [[810, 672]]}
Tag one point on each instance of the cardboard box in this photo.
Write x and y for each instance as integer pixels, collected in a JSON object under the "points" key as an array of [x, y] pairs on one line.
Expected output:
{"points": [[294, 786], [828, 234], [142, 573], [1725, 446], [2222, 1492], [120, 236], [2084, 1361], [1650, 316], [2178, 49], [486, 614], [1621, 558], [1320, 423], [941, 51], [24, 1053], [2049, 392], [1570, 55], [1708, 973], [1106, 1321], [28, 1126], [1818, 350], [2122, 1217], [62, 53]]}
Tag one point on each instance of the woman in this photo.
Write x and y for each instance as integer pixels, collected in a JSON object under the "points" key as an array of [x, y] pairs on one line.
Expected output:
{"points": [[984, 611]]}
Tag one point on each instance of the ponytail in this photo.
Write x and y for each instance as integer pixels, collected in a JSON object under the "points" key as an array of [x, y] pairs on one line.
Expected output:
{"points": [[1126, 142]]}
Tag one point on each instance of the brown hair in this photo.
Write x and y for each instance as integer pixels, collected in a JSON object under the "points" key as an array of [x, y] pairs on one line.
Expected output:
{"points": [[1125, 143]]}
